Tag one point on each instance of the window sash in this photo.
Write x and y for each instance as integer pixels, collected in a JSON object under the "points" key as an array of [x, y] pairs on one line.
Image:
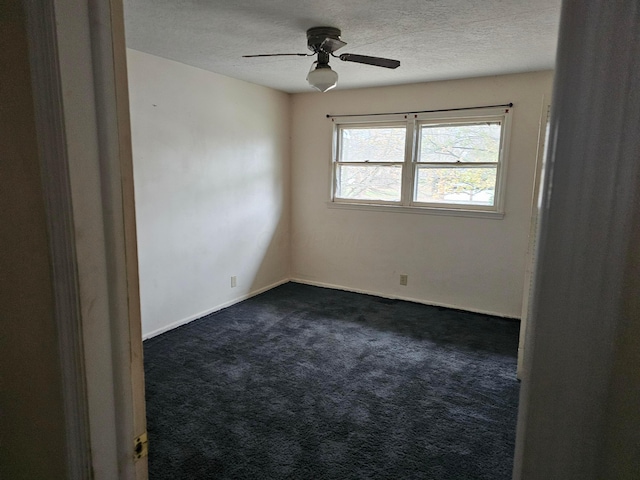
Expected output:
{"points": [[454, 164], [411, 163], [492, 170], [365, 126], [364, 166]]}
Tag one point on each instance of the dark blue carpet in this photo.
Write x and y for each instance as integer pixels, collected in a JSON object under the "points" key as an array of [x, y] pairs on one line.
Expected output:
{"points": [[304, 382]]}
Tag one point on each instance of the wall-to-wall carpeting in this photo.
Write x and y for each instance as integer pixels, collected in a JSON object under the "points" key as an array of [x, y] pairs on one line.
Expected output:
{"points": [[303, 382]]}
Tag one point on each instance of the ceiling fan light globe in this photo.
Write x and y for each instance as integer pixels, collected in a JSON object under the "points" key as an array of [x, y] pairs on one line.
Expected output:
{"points": [[322, 78]]}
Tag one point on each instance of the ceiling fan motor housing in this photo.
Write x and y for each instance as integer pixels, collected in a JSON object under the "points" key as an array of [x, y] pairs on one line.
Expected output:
{"points": [[324, 39]]}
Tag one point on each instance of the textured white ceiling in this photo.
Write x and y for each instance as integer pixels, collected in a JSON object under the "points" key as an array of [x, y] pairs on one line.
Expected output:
{"points": [[433, 39]]}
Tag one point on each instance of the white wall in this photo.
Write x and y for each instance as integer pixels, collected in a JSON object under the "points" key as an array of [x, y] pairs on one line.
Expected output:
{"points": [[211, 165], [211, 160], [468, 263]]}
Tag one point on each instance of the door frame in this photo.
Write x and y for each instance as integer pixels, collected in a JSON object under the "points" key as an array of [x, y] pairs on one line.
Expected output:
{"points": [[79, 78], [85, 152], [576, 417], [531, 258]]}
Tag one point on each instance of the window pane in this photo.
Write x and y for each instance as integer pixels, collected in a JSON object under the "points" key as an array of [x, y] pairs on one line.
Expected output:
{"points": [[383, 144], [369, 182], [470, 186], [460, 143]]}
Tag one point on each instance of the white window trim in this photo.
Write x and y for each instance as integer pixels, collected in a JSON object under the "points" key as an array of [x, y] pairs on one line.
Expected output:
{"points": [[413, 122]]}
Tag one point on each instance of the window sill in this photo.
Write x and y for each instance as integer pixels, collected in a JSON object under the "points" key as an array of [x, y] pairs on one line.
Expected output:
{"points": [[452, 212]]}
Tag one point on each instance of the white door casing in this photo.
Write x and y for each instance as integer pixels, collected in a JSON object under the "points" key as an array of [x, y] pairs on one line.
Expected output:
{"points": [[78, 62], [574, 353], [530, 265]]}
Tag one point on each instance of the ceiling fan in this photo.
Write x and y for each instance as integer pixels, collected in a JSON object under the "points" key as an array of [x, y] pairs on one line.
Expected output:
{"points": [[323, 41]]}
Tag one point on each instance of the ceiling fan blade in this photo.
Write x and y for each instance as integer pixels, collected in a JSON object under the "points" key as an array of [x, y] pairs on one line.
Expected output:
{"points": [[278, 55], [376, 61]]}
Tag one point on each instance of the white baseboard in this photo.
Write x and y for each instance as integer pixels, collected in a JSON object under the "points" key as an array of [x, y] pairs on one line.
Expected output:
{"points": [[191, 318], [400, 297]]}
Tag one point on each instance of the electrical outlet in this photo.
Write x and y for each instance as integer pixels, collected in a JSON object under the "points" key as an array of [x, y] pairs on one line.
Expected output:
{"points": [[234, 281], [404, 279]]}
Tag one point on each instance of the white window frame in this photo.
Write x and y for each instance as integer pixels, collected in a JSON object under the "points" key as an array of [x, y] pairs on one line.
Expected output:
{"points": [[410, 166]]}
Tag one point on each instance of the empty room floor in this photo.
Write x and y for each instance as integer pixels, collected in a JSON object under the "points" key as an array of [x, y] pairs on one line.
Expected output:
{"points": [[304, 382]]}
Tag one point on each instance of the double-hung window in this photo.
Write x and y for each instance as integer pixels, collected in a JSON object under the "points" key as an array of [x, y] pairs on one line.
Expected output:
{"points": [[446, 162]]}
